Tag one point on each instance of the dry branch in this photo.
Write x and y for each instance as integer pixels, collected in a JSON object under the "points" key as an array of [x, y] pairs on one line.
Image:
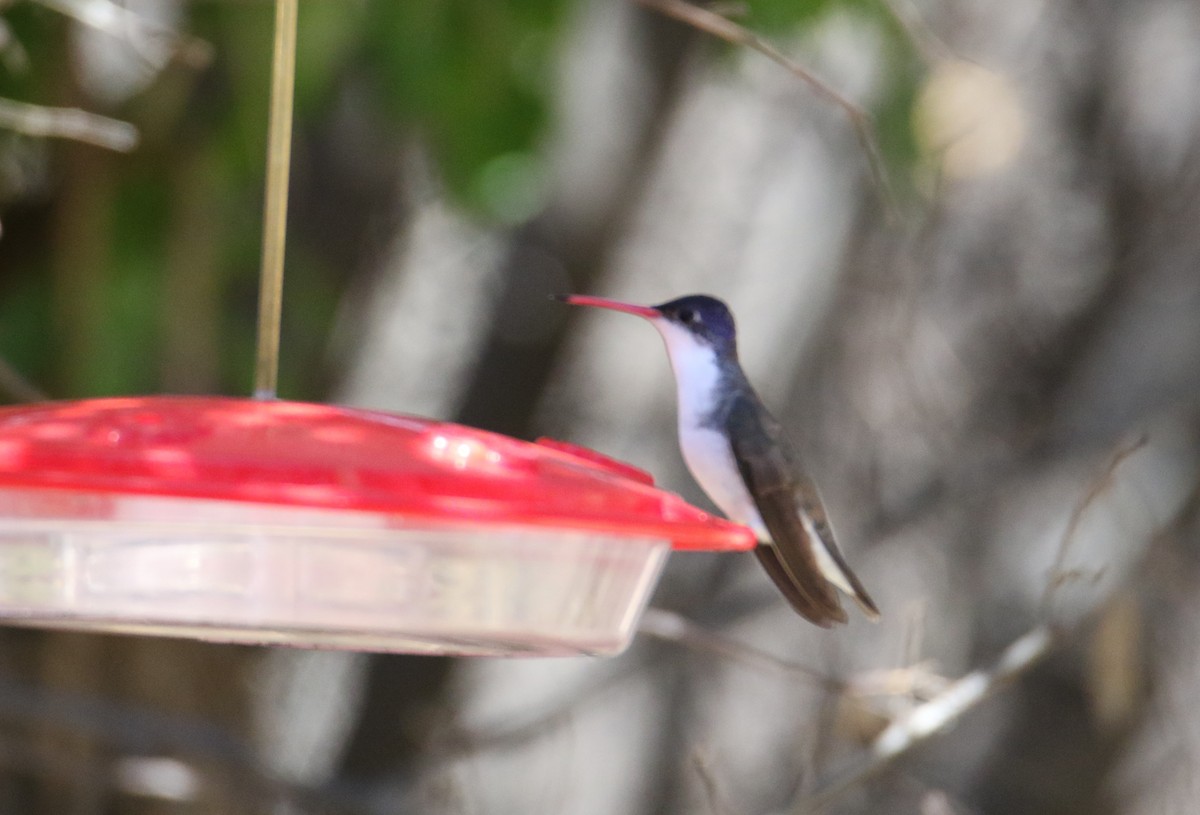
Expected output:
{"points": [[1058, 574], [712, 791], [726, 29], [671, 627], [925, 721]]}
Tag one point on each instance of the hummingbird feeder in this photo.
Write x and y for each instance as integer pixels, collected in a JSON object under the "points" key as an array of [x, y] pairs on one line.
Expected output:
{"points": [[279, 522], [268, 521]]}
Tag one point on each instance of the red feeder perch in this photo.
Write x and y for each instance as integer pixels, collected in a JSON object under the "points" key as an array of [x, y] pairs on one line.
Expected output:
{"points": [[278, 522]]}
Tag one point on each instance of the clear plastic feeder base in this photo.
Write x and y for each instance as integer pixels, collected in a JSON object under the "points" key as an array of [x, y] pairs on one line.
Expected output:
{"points": [[263, 575]]}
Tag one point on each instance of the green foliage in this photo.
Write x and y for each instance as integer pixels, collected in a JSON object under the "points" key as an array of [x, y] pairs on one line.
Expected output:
{"points": [[782, 16], [132, 299], [327, 35], [38, 33], [25, 312], [474, 77], [894, 117]]}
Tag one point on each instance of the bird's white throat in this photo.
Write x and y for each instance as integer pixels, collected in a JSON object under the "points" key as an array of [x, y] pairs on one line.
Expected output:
{"points": [[697, 372]]}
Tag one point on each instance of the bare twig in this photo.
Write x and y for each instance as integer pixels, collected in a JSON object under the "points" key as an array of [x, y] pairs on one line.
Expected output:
{"points": [[671, 627], [915, 681], [726, 29], [925, 721], [1058, 574], [712, 792], [68, 123]]}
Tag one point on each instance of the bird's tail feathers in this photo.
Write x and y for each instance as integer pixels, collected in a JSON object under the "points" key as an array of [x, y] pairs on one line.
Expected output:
{"points": [[834, 567]]}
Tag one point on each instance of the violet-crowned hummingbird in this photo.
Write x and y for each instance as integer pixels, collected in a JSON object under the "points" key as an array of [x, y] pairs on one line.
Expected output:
{"points": [[740, 456]]}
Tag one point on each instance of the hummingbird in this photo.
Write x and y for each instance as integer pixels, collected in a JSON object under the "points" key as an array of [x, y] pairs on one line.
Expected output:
{"points": [[740, 456]]}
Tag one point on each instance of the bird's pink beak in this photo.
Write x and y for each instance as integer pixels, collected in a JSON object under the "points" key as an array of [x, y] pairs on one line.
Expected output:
{"points": [[614, 305]]}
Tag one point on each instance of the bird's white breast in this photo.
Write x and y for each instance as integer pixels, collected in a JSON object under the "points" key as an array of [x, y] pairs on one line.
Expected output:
{"points": [[710, 459], [705, 450]]}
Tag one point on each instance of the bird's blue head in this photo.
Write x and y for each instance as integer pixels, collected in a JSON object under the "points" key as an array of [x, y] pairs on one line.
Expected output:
{"points": [[709, 319]]}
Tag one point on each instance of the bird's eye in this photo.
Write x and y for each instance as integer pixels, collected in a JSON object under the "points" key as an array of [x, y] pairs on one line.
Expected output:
{"points": [[688, 316]]}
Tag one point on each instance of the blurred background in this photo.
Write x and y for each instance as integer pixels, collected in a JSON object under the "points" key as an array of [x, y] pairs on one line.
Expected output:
{"points": [[986, 342]]}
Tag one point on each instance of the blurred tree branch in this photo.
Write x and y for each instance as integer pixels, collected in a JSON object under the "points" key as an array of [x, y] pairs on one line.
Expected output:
{"points": [[127, 25], [673, 627], [927, 720], [68, 123], [722, 27], [1058, 573]]}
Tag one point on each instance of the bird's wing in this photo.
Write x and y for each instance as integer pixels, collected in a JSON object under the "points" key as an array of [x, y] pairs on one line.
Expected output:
{"points": [[758, 448], [791, 590], [808, 500]]}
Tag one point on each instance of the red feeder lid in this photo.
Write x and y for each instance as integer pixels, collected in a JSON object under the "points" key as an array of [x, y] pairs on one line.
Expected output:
{"points": [[322, 456]]}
